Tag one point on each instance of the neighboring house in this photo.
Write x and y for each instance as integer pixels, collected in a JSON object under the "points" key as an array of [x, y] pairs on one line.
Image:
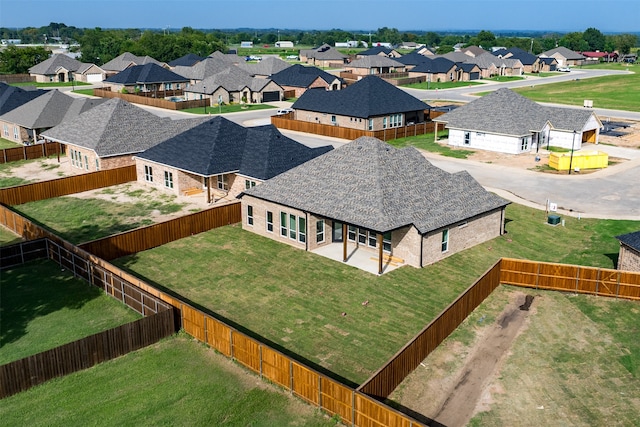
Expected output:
{"points": [[205, 68], [188, 60], [323, 56], [489, 65], [107, 136], [466, 72], [146, 78], [14, 96], [507, 122], [629, 255], [62, 68], [299, 78], [25, 123], [235, 85], [435, 70], [374, 64], [369, 104], [265, 68], [473, 51], [597, 56], [548, 64], [221, 159], [530, 62], [379, 51], [426, 51], [126, 60], [411, 59], [564, 56], [370, 196], [411, 45], [229, 57]]}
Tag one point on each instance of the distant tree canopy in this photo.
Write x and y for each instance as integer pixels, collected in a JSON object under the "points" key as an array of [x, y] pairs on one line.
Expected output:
{"points": [[99, 45], [14, 60]]}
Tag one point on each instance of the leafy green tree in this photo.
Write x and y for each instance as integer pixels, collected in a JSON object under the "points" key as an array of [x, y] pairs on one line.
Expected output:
{"points": [[14, 60], [431, 39], [594, 38], [624, 42], [574, 41], [486, 39]]}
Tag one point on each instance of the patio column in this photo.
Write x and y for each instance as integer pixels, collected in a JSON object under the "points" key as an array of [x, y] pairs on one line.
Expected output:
{"points": [[208, 189], [435, 135], [344, 242], [380, 244]]}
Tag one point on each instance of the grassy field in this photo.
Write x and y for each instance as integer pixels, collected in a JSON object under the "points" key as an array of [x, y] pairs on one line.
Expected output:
{"points": [[81, 220], [426, 142], [248, 278], [43, 307], [52, 84], [616, 92], [5, 143], [440, 85], [233, 108], [174, 382], [7, 237], [574, 364]]}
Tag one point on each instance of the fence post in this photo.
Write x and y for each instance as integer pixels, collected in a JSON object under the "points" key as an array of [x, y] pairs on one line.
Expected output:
{"points": [[597, 281], [291, 375], [22, 253], [537, 276], [206, 331], [618, 286], [353, 407], [260, 355], [231, 342], [320, 392], [577, 278]]}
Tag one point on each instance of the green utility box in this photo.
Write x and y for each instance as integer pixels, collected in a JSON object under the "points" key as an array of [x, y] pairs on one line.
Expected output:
{"points": [[553, 219]]}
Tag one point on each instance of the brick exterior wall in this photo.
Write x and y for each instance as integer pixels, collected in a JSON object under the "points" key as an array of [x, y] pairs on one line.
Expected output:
{"points": [[628, 259], [405, 242], [12, 128], [345, 121]]}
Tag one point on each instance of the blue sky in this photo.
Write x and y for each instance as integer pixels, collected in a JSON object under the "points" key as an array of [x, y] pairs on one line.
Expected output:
{"points": [[426, 15]]}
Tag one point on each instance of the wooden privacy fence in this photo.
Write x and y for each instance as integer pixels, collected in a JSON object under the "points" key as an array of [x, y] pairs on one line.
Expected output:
{"points": [[153, 102], [387, 378], [25, 373], [68, 185], [141, 239], [17, 78], [19, 253], [349, 133], [30, 152], [570, 278]]}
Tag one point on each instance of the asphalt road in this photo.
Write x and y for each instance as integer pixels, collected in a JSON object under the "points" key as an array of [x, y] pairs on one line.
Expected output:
{"points": [[610, 193]]}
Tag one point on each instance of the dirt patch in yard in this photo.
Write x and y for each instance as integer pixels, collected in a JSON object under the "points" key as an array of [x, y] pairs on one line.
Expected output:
{"points": [[453, 383]]}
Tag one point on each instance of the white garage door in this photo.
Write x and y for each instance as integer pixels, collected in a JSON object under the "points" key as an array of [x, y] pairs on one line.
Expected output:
{"points": [[94, 78]]}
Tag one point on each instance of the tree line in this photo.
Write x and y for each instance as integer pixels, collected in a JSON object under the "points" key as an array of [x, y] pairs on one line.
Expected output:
{"points": [[99, 45]]}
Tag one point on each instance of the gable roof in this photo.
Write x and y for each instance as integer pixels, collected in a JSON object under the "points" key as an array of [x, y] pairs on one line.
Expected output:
{"points": [[508, 113], [54, 63], [376, 50], [473, 51], [631, 239], [232, 79], [516, 53], [49, 109], [117, 127], [564, 52], [412, 58], [374, 61], [371, 184], [145, 74], [300, 76], [368, 97], [323, 53], [127, 59], [435, 65], [267, 67], [218, 145], [187, 60], [205, 68], [13, 96]]}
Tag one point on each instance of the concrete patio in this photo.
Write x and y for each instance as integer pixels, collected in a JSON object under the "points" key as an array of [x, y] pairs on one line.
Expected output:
{"points": [[357, 256]]}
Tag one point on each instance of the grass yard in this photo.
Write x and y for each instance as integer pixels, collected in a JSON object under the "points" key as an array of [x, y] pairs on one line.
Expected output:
{"points": [[426, 142], [52, 84], [5, 143], [80, 220], [247, 279], [233, 108], [7, 237], [84, 91], [43, 307], [617, 92], [174, 382], [440, 85], [7, 178]]}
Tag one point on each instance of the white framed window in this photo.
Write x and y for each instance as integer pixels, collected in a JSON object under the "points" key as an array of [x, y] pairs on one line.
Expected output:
{"points": [[524, 144], [351, 233], [168, 179], [86, 162], [372, 240], [384, 123], [362, 236], [222, 182], [386, 242], [292, 227], [320, 231], [284, 230], [5, 129], [445, 240], [302, 229], [333, 120], [79, 158], [97, 165], [270, 222], [370, 124], [249, 214], [16, 134], [249, 184], [148, 173], [467, 138]]}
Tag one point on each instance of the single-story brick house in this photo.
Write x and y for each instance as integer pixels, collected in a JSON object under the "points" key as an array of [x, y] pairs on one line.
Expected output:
{"points": [[629, 255], [26, 123], [62, 68], [146, 78], [530, 62], [564, 56], [368, 195], [235, 85], [507, 122], [374, 64], [299, 78], [379, 51], [369, 104], [126, 60], [109, 135], [322, 56], [220, 159]]}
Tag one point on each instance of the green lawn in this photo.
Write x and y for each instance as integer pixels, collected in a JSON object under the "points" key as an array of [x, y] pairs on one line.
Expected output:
{"points": [[84, 91], [52, 84], [43, 306], [249, 278], [440, 85], [81, 220], [176, 382], [504, 79], [233, 108], [7, 237], [426, 142], [5, 143], [617, 92]]}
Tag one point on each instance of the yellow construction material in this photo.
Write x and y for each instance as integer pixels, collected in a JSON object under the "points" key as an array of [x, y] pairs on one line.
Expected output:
{"points": [[581, 160]]}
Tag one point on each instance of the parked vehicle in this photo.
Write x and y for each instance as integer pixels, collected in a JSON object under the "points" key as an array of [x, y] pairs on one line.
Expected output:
{"points": [[564, 69], [284, 111]]}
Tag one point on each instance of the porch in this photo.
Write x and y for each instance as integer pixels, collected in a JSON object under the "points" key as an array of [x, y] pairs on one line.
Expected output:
{"points": [[359, 256]]}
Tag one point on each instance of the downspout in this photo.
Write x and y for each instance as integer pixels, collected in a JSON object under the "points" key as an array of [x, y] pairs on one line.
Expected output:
{"points": [[502, 221], [421, 246], [306, 224]]}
